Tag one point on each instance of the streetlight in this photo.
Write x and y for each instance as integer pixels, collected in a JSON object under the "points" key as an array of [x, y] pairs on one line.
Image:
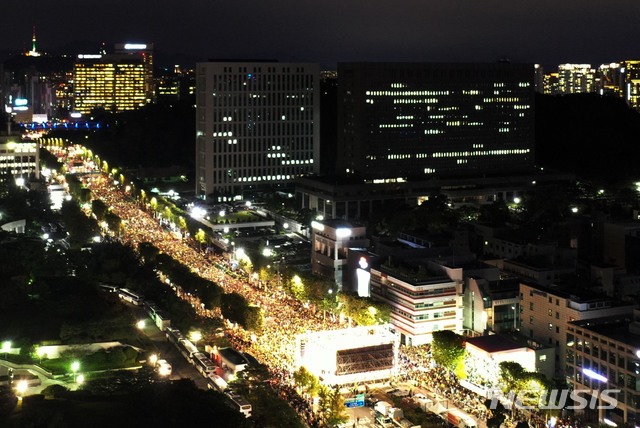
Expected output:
{"points": [[75, 366], [140, 324], [195, 336], [21, 388]]}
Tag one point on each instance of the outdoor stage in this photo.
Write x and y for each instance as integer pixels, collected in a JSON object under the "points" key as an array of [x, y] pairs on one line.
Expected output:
{"points": [[349, 356]]}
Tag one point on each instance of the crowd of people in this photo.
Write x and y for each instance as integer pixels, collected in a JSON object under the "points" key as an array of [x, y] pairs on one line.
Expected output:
{"points": [[420, 369], [284, 316]]}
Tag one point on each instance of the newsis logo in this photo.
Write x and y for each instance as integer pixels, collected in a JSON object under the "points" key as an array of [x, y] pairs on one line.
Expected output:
{"points": [[578, 399]]}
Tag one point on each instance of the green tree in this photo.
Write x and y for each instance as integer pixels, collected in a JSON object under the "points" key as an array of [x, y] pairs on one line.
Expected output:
{"points": [[233, 307], [448, 349], [254, 320], [331, 408], [99, 208], [306, 381]]}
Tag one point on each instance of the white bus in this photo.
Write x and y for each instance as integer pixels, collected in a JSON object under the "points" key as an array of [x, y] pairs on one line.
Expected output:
{"points": [[204, 364], [187, 348], [131, 297], [241, 404], [216, 382]]}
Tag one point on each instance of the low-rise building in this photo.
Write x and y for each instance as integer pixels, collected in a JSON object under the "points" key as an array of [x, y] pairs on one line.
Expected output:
{"points": [[423, 298], [330, 243]]}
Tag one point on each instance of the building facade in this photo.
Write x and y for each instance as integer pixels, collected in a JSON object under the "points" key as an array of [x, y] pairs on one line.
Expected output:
{"points": [[604, 354], [546, 313], [19, 159], [142, 52], [422, 300], [114, 83], [257, 126], [330, 243], [428, 120]]}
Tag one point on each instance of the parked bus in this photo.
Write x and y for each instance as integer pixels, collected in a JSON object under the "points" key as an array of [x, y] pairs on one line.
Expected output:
{"points": [[216, 382], [187, 349], [241, 404], [203, 364], [131, 297]]}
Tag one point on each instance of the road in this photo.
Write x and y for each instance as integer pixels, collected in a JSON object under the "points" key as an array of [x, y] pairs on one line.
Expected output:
{"points": [[181, 368]]}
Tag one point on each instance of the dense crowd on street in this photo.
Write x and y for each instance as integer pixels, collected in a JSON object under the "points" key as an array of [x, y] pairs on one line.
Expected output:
{"points": [[284, 316]]}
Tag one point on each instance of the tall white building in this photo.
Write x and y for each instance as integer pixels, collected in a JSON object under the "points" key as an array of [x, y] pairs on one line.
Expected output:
{"points": [[257, 126]]}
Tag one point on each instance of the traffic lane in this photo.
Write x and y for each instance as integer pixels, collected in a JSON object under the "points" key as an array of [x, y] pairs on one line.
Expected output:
{"points": [[181, 368]]}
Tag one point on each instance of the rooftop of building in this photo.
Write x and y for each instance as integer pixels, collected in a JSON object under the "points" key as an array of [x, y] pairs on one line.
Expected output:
{"points": [[232, 355], [572, 288], [504, 342], [500, 289], [416, 274], [336, 223], [615, 328], [494, 343]]}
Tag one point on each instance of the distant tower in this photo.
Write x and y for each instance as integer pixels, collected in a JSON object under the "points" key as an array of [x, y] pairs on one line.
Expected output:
{"points": [[33, 51]]}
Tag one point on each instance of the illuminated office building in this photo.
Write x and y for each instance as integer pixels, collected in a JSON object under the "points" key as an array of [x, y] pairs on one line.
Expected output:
{"points": [[630, 70], [257, 125], [576, 79], [424, 120], [112, 82], [610, 79], [19, 159], [144, 53]]}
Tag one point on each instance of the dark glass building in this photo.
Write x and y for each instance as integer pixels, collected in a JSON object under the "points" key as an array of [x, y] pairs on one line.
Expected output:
{"points": [[418, 121]]}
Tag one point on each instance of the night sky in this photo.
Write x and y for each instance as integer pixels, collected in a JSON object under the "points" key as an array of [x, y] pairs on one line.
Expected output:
{"points": [[330, 31]]}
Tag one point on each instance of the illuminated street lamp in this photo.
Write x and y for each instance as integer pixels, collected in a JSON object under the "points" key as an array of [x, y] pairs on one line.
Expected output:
{"points": [[141, 324], [21, 388], [153, 359], [75, 366], [195, 336]]}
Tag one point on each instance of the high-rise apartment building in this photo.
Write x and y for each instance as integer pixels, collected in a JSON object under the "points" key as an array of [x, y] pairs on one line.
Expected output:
{"points": [[257, 125], [112, 82], [425, 120]]}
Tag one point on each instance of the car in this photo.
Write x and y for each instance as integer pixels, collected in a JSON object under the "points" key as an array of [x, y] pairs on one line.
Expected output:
{"points": [[163, 368]]}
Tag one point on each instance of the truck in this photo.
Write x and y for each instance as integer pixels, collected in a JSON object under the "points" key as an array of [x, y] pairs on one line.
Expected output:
{"points": [[382, 407], [382, 417], [460, 419]]}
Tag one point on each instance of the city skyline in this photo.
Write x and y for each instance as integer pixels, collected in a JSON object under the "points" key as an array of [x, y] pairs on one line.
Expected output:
{"points": [[330, 32]]}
